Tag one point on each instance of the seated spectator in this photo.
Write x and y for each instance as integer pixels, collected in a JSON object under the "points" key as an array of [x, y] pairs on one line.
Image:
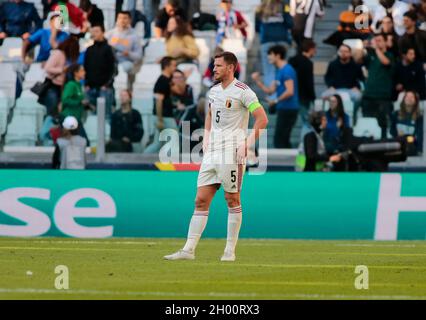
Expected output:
{"points": [[208, 77], [182, 93], [18, 19], [229, 21], [347, 28], [413, 37], [344, 75], [92, 14], [316, 155], [274, 24], [127, 45], [171, 9], [100, 66], [77, 22], [180, 42], [163, 105], [409, 75], [408, 121], [73, 101], [55, 67], [47, 39], [70, 148], [337, 121], [396, 9], [126, 126], [378, 88]]}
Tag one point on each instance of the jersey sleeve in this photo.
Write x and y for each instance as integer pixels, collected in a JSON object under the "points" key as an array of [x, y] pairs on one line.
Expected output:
{"points": [[250, 100]]}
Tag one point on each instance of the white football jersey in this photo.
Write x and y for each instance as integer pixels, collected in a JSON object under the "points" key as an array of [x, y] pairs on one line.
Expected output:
{"points": [[230, 112]]}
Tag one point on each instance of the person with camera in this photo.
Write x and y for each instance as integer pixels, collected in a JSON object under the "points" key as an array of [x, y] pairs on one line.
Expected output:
{"points": [[317, 157]]}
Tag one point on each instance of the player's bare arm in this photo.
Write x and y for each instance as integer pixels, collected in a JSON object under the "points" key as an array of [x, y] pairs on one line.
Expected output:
{"points": [[260, 124]]}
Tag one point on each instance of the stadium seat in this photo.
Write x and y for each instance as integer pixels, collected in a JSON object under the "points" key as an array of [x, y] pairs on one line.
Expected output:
{"points": [[146, 78], [91, 127], [368, 127], [8, 78], [108, 8], [204, 57], [208, 36], [34, 75], [28, 106], [11, 50], [155, 50], [4, 113], [22, 131]]}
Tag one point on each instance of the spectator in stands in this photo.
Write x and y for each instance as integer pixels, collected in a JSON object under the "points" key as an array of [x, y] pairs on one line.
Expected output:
{"points": [[353, 24], [182, 93], [73, 100], [337, 120], [413, 37], [408, 121], [56, 67], [47, 7], [75, 19], [387, 28], [378, 88], [180, 42], [409, 75], [304, 67], [126, 126], [230, 20], [394, 8], [18, 19], [287, 103], [304, 14], [48, 38], [171, 9], [344, 75], [100, 66], [315, 151], [163, 105], [92, 13], [70, 149], [421, 14], [274, 23], [127, 45]]}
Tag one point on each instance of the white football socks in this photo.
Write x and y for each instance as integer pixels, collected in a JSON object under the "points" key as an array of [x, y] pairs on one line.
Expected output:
{"points": [[235, 218], [196, 228]]}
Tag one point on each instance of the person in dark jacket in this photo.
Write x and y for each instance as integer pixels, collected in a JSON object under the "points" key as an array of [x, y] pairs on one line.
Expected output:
{"points": [[93, 14], [409, 75], [314, 146], [18, 19], [344, 74], [413, 37], [100, 65], [304, 67], [126, 126]]}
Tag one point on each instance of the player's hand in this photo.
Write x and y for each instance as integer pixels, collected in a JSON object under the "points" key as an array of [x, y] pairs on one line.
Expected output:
{"points": [[255, 76], [160, 124], [242, 153]]}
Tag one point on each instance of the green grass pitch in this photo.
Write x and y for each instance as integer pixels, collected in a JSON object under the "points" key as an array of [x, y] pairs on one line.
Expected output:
{"points": [[265, 269]]}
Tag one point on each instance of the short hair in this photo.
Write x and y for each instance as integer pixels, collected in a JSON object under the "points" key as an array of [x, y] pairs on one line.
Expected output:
{"points": [[411, 14], [381, 34], [346, 46], [166, 62], [173, 3], [404, 50], [278, 50], [99, 25], [74, 68], [229, 57], [307, 45], [128, 13]]}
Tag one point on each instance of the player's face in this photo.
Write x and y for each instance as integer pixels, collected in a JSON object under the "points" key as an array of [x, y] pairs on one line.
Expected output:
{"points": [[221, 69]]}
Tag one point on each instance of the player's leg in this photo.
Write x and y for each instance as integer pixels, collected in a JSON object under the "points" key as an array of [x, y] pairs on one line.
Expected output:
{"points": [[198, 223], [232, 176]]}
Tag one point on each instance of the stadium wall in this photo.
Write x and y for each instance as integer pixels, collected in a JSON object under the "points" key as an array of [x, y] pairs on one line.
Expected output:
{"points": [[277, 205]]}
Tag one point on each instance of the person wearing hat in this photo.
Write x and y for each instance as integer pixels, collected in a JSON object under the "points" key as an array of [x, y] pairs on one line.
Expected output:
{"points": [[48, 38], [70, 149]]}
